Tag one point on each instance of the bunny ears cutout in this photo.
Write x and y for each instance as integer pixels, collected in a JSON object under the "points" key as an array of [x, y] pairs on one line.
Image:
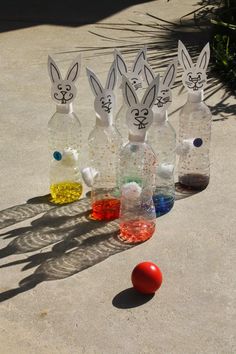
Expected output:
{"points": [[134, 74], [139, 115], [104, 103], [63, 90], [164, 97], [95, 83], [194, 76]]}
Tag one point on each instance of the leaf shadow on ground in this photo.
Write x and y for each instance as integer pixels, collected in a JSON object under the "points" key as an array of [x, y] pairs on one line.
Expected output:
{"points": [[64, 241], [161, 38]]}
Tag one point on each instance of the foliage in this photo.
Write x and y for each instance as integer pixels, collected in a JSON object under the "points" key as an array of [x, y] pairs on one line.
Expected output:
{"points": [[224, 43]]}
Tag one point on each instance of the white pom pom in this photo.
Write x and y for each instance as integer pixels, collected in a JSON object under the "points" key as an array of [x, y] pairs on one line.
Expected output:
{"points": [[70, 157], [184, 147], [131, 190], [89, 174], [165, 170]]}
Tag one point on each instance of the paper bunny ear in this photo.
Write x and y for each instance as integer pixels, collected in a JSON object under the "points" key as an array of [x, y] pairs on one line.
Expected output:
{"points": [[148, 73], [111, 77], [184, 57], [170, 74], [204, 57], [74, 70], [54, 72], [151, 93], [94, 82], [120, 63], [129, 94], [138, 63]]}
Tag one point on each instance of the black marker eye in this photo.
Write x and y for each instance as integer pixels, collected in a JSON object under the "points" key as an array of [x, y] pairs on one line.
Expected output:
{"points": [[199, 76], [103, 102], [59, 87], [136, 112], [109, 100], [68, 87], [145, 112]]}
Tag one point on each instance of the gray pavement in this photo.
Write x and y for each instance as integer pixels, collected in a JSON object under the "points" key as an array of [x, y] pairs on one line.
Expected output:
{"points": [[64, 281]]}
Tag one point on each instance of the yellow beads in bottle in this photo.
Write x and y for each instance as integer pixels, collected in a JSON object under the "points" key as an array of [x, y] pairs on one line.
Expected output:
{"points": [[65, 192]]}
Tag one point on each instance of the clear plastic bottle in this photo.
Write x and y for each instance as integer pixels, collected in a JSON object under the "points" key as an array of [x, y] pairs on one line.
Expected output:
{"points": [[104, 146], [162, 138], [137, 166], [64, 130], [195, 121]]}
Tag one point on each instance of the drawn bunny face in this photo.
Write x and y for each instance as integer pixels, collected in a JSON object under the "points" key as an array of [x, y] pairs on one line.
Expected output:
{"points": [[164, 97], [139, 114], [63, 91], [194, 77], [104, 103], [134, 75]]}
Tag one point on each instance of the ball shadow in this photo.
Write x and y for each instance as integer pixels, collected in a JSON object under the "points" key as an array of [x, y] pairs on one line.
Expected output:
{"points": [[130, 298]]}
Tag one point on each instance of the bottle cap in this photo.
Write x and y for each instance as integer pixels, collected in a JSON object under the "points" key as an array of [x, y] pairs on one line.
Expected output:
{"points": [[140, 138], [65, 108], [195, 97]]}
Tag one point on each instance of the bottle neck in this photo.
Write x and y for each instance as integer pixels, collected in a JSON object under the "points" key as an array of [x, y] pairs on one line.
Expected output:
{"points": [[64, 108], [104, 122], [160, 117], [137, 138], [195, 97]]}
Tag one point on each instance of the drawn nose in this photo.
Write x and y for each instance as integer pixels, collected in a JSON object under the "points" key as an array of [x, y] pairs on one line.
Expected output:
{"points": [[63, 92], [195, 79]]}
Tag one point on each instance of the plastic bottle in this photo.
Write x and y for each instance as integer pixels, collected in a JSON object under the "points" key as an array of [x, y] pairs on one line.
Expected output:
{"points": [[195, 121], [163, 141], [134, 76], [104, 145], [64, 130], [137, 166], [162, 138]]}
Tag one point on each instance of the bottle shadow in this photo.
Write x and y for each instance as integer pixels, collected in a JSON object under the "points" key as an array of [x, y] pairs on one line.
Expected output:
{"points": [[64, 240], [182, 193], [31, 208]]}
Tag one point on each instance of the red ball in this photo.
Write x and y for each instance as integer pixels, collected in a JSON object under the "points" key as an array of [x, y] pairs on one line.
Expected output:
{"points": [[146, 277]]}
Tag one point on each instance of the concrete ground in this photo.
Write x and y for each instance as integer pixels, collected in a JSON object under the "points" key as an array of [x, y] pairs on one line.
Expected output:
{"points": [[64, 281]]}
